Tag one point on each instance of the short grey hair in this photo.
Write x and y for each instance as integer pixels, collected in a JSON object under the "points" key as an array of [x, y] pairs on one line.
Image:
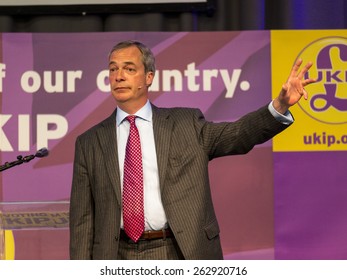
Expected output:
{"points": [[148, 58]]}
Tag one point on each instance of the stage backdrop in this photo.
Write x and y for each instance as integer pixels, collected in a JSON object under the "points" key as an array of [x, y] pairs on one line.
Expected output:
{"points": [[279, 201]]}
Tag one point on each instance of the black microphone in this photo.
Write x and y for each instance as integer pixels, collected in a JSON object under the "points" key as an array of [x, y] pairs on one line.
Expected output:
{"points": [[20, 159], [42, 153]]}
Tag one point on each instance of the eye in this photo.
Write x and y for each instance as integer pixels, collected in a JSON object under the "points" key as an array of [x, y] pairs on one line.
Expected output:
{"points": [[130, 69]]}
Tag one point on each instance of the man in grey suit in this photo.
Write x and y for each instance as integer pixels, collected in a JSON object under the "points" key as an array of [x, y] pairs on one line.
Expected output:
{"points": [[176, 144]]}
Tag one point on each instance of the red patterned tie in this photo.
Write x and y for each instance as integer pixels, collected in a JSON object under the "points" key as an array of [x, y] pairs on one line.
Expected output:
{"points": [[133, 213]]}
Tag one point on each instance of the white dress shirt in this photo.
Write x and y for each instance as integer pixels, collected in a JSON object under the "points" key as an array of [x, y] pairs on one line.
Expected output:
{"points": [[155, 218]]}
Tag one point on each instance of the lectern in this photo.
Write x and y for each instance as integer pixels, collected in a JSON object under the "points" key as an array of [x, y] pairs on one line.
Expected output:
{"points": [[34, 230]]}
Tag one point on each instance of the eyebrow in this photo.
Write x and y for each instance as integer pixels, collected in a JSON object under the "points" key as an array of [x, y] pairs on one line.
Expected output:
{"points": [[125, 63]]}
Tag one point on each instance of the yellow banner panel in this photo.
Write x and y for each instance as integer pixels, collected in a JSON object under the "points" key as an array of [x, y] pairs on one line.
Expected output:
{"points": [[321, 121]]}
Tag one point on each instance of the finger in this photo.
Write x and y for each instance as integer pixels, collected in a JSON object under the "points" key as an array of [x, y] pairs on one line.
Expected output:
{"points": [[296, 67], [308, 81], [305, 94], [284, 87], [305, 69]]}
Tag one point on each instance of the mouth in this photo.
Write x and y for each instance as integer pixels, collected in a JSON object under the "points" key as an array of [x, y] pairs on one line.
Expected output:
{"points": [[121, 88]]}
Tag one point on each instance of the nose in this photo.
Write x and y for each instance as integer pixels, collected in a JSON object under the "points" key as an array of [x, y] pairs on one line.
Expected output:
{"points": [[119, 76]]}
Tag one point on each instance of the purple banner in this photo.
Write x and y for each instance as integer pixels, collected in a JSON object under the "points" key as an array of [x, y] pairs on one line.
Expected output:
{"points": [[54, 87]]}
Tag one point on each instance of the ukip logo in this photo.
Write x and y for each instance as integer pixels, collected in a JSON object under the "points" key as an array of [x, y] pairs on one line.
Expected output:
{"points": [[328, 97]]}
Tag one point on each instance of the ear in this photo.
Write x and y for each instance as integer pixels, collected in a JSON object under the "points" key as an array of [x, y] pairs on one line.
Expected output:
{"points": [[149, 78]]}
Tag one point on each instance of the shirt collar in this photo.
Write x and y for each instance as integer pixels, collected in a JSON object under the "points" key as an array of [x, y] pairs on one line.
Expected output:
{"points": [[144, 113]]}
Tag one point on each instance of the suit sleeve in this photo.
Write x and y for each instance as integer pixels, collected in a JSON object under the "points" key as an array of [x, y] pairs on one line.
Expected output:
{"points": [[81, 208], [239, 137]]}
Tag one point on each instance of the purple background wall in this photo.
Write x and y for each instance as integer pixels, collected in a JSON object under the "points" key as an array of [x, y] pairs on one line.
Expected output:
{"points": [[253, 194]]}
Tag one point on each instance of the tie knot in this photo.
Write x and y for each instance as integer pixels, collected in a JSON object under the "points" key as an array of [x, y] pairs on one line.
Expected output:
{"points": [[131, 119]]}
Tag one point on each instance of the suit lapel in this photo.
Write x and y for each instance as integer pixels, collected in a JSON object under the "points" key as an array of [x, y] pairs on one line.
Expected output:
{"points": [[107, 135], [162, 128]]}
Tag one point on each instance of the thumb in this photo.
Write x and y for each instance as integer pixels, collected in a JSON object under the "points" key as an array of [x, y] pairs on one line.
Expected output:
{"points": [[284, 87]]}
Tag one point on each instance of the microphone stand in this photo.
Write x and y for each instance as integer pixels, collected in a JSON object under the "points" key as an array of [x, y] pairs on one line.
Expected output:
{"points": [[20, 160]]}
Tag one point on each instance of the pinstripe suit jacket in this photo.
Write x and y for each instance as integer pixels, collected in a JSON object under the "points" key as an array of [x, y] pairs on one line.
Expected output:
{"points": [[185, 143]]}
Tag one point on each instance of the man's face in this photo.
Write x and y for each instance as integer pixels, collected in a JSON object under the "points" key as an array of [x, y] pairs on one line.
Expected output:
{"points": [[129, 83]]}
